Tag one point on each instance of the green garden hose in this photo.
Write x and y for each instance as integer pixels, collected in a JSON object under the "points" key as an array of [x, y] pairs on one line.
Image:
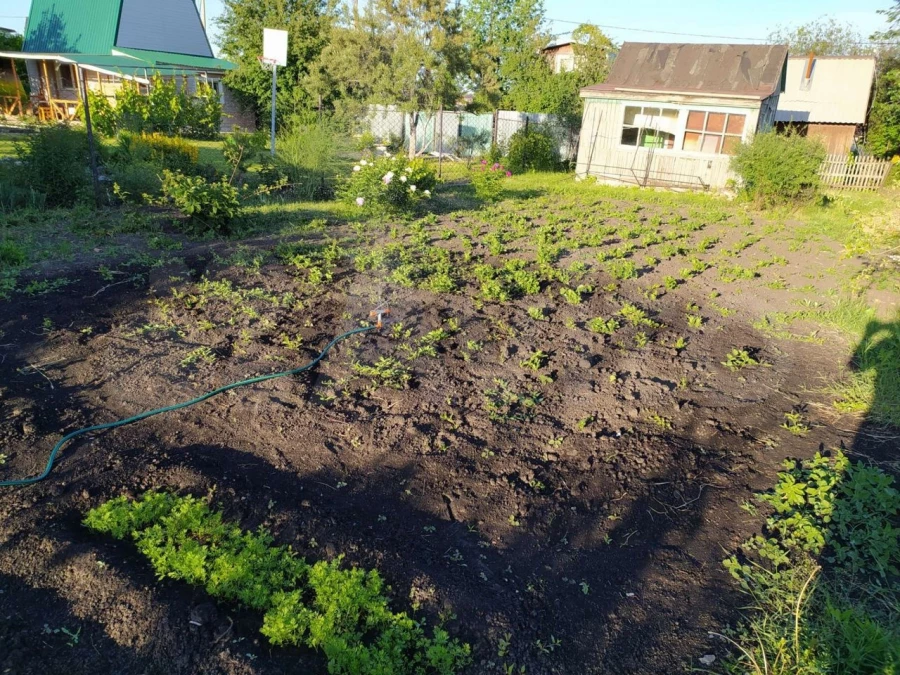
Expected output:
{"points": [[178, 406]]}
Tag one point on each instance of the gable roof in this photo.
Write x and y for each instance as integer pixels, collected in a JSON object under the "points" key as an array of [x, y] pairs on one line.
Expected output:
{"points": [[166, 31], [740, 71], [837, 92]]}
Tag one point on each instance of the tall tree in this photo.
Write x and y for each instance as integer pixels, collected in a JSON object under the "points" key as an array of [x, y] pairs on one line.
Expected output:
{"points": [[407, 53], [241, 26], [825, 36], [504, 38], [892, 16], [594, 52]]}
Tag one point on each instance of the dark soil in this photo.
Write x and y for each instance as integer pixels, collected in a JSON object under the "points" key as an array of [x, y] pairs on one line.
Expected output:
{"points": [[600, 553]]}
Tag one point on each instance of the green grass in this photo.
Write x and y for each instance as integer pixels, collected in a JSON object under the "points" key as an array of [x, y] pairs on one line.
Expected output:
{"points": [[8, 144], [871, 383]]}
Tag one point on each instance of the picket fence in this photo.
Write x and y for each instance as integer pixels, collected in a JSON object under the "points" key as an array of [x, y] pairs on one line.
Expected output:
{"points": [[844, 172]]}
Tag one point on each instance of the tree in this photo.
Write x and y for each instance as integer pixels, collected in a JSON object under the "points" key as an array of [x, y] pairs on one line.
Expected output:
{"points": [[407, 53], [825, 36], [558, 93], [505, 38], [892, 15], [594, 52], [13, 43], [241, 25]]}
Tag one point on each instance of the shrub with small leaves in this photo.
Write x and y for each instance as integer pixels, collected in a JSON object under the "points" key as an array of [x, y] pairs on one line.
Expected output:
{"points": [[388, 185], [211, 206], [487, 179]]}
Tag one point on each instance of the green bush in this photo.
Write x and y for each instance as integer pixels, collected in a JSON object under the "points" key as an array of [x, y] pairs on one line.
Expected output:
{"points": [[104, 119], [242, 148], [487, 179], [388, 184], [166, 109], [55, 162], [532, 149], [172, 153], [211, 206], [307, 154], [133, 180], [11, 254], [778, 168], [342, 612]]}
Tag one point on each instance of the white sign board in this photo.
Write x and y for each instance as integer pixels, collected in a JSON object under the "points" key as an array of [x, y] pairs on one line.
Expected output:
{"points": [[275, 45]]}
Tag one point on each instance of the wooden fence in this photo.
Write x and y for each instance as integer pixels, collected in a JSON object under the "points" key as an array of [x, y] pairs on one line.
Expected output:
{"points": [[843, 172]]}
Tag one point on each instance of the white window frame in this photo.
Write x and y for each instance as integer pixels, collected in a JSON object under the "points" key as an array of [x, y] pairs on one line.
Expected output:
{"points": [[684, 109], [642, 105]]}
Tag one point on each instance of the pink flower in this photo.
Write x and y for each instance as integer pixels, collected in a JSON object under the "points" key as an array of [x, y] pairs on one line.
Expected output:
{"points": [[508, 174], [484, 161]]}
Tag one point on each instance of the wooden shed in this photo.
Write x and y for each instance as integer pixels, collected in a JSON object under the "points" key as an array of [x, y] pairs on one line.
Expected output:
{"points": [[673, 114]]}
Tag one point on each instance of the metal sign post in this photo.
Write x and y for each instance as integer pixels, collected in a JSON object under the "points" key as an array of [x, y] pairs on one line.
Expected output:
{"points": [[275, 50], [274, 92]]}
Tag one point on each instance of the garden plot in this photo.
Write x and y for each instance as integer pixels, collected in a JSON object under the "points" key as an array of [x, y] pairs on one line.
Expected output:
{"points": [[545, 450]]}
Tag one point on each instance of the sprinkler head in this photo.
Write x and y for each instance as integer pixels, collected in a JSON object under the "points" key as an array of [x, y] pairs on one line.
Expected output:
{"points": [[378, 315]]}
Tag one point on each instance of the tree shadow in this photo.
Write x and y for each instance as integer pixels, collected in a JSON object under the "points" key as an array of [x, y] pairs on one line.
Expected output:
{"points": [[875, 386]]}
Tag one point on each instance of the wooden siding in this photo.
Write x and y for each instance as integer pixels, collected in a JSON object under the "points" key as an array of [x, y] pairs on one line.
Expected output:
{"points": [[837, 138], [601, 154]]}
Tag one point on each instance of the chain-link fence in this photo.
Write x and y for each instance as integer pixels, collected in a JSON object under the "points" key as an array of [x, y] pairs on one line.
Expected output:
{"points": [[456, 135]]}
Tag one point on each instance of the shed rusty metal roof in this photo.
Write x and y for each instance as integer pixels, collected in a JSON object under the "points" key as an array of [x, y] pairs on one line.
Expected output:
{"points": [[745, 71]]}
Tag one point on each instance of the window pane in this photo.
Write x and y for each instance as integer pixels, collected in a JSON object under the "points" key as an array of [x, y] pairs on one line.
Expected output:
{"points": [[651, 112], [651, 138], [715, 122], [629, 136], [731, 144], [695, 120], [711, 144], [631, 111], [670, 113], [691, 141], [736, 124]]}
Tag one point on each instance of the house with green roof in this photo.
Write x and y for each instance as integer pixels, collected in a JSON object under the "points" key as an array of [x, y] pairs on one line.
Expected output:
{"points": [[108, 42]]}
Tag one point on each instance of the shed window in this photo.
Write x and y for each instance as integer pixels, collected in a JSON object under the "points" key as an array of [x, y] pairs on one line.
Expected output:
{"points": [[649, 127], [712, 132]]}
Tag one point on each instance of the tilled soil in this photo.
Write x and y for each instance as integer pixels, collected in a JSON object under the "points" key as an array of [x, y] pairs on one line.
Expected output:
{"points": [[589, 537]]}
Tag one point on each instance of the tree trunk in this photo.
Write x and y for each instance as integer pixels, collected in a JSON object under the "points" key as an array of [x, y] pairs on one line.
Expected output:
{"points": [[413, 121]]}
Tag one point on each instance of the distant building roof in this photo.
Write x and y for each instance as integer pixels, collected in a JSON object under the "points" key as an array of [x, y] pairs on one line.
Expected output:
{"points": [[7, 31], [836, 92], [741, 71]]}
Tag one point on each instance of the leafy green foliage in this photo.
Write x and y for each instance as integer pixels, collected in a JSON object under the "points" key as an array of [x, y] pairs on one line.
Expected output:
{"points": [[845, 512], [779, 167], [242, 148], [507, 282], [308, 156], [603, 326], [536, 360], [532, 149], [167, 109], [883, 137], [504, 404], [55, 162], [342, 612], [211, 206], [487, 179], [388, 185], [739, 359], [386, 371]]}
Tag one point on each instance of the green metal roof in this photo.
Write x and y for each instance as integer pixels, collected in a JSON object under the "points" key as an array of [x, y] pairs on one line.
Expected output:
{"points": [[85, 31], [180, 60], [72, 27]]}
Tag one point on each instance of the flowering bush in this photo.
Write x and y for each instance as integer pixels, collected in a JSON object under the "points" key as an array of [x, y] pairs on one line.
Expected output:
{"points": [[388, 184], [488, 180]]}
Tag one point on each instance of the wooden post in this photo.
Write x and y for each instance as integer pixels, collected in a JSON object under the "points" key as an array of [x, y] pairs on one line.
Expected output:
{"points": [[49, 92], [20, 90], [92, 150]]}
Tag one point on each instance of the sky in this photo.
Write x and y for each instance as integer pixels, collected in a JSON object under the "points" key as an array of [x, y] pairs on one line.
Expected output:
{"points": [[645, 20]]}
